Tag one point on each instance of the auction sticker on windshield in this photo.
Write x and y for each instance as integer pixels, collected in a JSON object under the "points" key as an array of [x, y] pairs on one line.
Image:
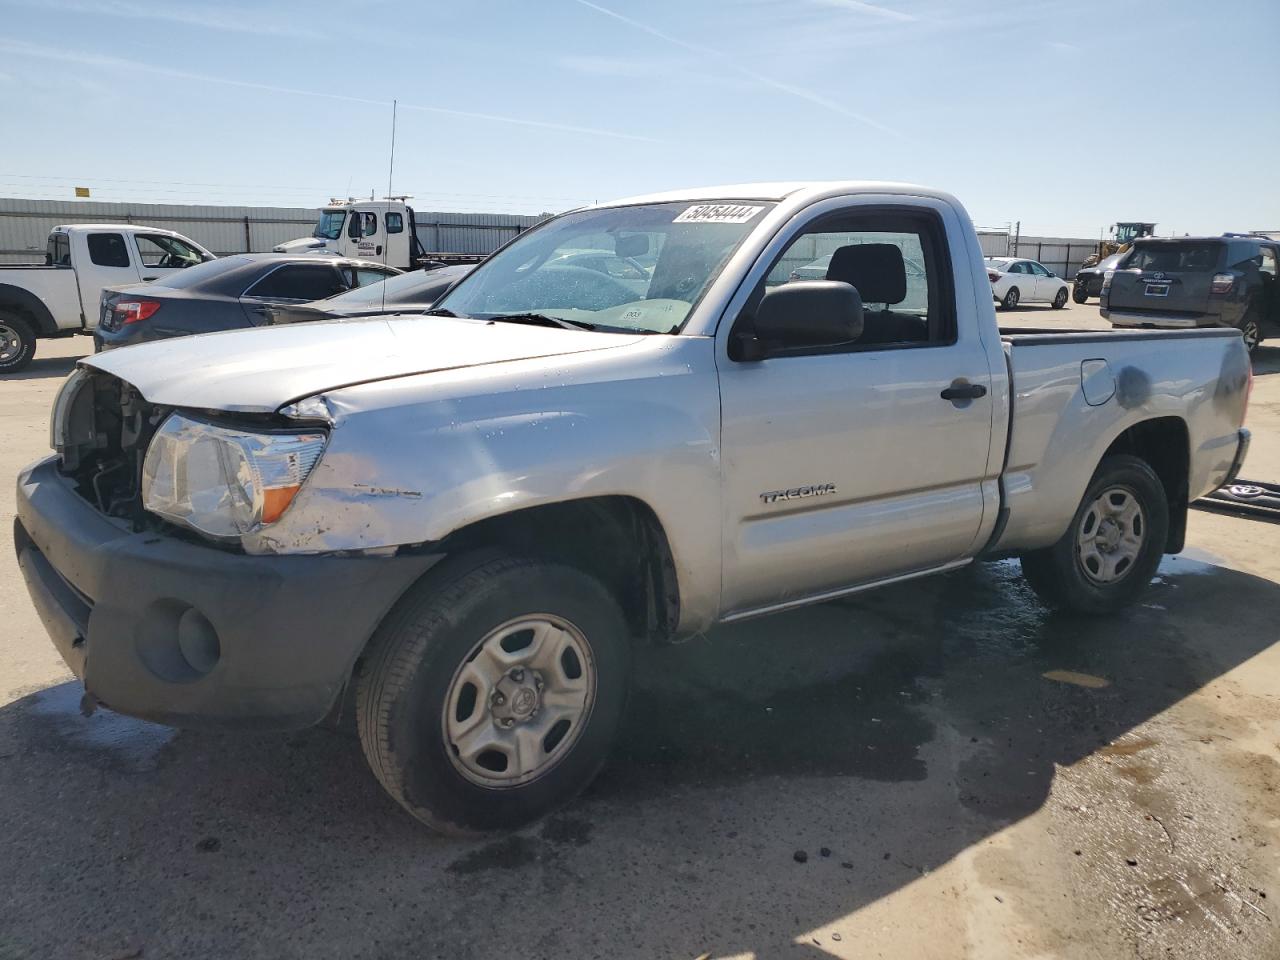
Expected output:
{"points": [[718, 213]]}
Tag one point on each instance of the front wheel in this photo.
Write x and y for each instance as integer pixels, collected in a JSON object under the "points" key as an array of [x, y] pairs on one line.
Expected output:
{"points": [[491, 694], [1080, 293], [1113, 545], [1010, 301], [1060, 300], [17, 343]]}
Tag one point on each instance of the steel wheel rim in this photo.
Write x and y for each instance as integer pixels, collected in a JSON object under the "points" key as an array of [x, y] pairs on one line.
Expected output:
{"points": [[10, 343], [1110, 536], [519, 701]]}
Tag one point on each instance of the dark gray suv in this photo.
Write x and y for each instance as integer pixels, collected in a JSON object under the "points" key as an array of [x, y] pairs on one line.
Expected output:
{"points": [[1226, 281]]}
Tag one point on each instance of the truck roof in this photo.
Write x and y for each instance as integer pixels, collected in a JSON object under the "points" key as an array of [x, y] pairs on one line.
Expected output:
{"points": [[798, 191], [123, 227]]}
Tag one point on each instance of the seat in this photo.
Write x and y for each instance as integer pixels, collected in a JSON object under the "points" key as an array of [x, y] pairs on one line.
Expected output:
{"points": [[878, 273]]}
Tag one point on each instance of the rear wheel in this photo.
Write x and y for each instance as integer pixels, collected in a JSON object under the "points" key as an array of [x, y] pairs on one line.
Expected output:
{"points": [[491, 694], [17, 343], [1010, 301], [1113, 545], [1060, 300]]}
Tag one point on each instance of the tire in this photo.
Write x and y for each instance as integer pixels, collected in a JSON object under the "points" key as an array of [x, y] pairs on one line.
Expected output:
{"points": [[17, 343], [1069, 576], [1250, 331], [1080, 293], [1060, 299], [445, 636], [1010, 301]]}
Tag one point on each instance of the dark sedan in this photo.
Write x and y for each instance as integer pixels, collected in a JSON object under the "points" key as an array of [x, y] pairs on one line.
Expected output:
{"points": [[1089, 279], [412, 292], [225, 294]]}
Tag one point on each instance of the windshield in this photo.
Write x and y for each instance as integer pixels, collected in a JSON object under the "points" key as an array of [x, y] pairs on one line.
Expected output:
{"points": [[416, 287], [330, 225], [640, 268]]}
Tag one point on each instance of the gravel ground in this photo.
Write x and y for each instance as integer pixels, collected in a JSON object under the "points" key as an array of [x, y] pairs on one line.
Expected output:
{"points": [[937, 770]]}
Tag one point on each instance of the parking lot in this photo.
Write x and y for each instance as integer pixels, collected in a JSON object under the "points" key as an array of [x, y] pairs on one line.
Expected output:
{"points": [[938, 769]]}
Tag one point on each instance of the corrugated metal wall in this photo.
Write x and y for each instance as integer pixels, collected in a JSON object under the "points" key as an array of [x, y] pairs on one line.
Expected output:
{"points": [[25, 225]]}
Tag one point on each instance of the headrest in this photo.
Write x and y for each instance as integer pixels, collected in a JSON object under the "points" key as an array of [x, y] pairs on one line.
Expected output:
{"points": [[876, 269]]}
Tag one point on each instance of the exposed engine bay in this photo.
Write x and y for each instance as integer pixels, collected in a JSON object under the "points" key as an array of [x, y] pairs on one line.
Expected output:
{"points": [[101, 429]]}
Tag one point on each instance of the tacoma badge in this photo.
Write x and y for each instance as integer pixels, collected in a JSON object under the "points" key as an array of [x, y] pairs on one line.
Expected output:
{"points": [[799, 493]]}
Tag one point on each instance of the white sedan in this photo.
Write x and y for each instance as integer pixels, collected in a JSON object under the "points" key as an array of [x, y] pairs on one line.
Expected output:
{"points": [[1015, 281]]}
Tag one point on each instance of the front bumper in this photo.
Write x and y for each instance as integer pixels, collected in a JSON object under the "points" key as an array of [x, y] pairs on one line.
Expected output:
{"points": [[191, 635]]}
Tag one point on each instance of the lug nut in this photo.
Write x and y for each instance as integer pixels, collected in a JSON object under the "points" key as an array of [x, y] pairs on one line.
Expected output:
{"points": [[517, 674], [499, 699]]}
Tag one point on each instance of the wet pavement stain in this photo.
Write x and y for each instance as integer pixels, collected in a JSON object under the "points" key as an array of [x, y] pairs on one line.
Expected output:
{"points": [[112, 740], [509, 853], [572, 831]]}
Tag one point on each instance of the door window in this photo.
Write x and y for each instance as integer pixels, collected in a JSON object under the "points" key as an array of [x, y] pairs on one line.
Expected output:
{"points": [[157, 250], [1268, 262], [896, 263], [369, 224], [1018, 268], [395, 222], [108, 250], [298, 281], [1038, 270], [363, 276]]}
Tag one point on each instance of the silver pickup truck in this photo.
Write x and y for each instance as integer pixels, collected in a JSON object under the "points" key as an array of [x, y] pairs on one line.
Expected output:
{"points": [[633, 422]]}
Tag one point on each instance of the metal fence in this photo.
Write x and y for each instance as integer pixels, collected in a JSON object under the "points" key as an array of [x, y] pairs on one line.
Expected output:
{"points": [[25, 225], [1061, 255]]}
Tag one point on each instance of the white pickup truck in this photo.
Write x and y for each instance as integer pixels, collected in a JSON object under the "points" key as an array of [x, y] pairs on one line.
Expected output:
{"points": [[467, 517], [59, 297]]}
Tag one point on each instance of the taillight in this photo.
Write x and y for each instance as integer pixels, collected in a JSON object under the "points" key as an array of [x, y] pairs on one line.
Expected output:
{"points": [[131, 311], [993, 275], [1222, 283]]}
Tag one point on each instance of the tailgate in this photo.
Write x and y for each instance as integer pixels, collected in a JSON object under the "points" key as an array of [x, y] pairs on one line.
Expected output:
{"points": [[1166, 278]]}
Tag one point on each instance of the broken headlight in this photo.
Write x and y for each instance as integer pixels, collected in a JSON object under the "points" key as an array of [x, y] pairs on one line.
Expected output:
{"points": [[222, 481]]}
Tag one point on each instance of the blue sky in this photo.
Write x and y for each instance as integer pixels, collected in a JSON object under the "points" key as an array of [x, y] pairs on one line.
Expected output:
{"points": [[1064, 115]]}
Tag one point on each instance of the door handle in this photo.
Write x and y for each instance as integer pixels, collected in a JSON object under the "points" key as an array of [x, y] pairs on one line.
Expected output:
{"points": [[964, 391], [150, 278]]}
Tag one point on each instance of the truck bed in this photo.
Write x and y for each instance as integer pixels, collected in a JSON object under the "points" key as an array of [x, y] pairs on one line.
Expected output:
{"points": [[1075, 392], [1045, 335]]}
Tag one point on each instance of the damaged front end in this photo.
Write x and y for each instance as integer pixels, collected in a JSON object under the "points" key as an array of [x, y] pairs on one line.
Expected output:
{"points": [[100, 428]]}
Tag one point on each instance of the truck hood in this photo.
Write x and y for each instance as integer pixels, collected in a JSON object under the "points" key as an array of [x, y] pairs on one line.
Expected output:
{"points": [[304, 245], [262, 369]]}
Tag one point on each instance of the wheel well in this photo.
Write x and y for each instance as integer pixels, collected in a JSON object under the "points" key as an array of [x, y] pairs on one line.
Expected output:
{"points": [[25, 304], [619, 540], [1164, 444]]}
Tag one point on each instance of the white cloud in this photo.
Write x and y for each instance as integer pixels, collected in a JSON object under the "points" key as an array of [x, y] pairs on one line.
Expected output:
{"points": [[872, 9], [241, 20], [20, 48], [734, 64]]}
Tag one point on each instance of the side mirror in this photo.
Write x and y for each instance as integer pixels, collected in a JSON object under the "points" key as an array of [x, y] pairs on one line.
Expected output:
{"points": [[799, 316]]}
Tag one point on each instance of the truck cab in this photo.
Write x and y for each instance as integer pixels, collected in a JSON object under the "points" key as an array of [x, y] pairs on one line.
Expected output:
{"points": [[379, 230]]}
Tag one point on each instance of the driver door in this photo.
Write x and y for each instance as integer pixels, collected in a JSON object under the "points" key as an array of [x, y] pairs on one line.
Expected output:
{"points": [[849, 464]]}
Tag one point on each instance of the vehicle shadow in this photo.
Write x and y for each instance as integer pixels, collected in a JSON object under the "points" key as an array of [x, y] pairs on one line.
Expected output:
{"points": [[1266, 360], [42, 368], [896, 729]]}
